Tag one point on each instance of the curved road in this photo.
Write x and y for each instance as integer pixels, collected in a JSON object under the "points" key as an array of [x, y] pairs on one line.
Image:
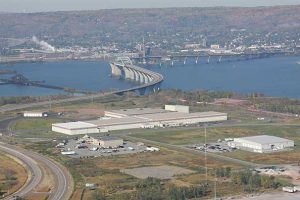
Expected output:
{"points": [[63, 184]]}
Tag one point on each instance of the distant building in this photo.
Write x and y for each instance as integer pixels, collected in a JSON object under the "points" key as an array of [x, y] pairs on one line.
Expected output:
{"points": [[173, 115], [107, 142], [215, 46], [178, 108], [261, 143], [192, 46], [35, 114]]}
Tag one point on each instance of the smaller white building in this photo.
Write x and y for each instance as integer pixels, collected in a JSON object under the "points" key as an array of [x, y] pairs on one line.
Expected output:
{"points": [[35, 114], [178, 108], [261, 143]]}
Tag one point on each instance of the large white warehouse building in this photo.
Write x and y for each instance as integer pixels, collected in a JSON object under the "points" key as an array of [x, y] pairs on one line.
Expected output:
{"points": [[75, 128], [262, 143], [138, 118]]}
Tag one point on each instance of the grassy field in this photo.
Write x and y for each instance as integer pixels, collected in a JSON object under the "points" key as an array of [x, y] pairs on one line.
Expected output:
{"points": [[184, 137], [12, 175], [35, 128], [105, 171]]}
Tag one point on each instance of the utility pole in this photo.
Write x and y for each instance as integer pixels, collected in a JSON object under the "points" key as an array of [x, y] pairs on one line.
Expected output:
{"points": [[205, 153], [50, 104], [215, 187]]}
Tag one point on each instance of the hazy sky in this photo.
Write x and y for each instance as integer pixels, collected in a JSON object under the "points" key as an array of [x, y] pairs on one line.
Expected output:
{"points": [[55, 5]]}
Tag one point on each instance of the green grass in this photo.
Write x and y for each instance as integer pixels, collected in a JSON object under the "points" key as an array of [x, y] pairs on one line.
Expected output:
{"points": [[36, 123], [35, 128], [192, 136], [185, 137]]}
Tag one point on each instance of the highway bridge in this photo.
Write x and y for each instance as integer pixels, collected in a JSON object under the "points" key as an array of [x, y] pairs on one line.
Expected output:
{"points": [[205, 57], [148, 81]]}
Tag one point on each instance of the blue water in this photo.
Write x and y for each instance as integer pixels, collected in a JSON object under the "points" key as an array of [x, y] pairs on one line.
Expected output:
{"points": [[85, 75], [278, 76]]}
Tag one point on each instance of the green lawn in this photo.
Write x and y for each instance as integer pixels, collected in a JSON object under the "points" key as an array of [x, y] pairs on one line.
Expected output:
{"points": [[36, 128], [184, 136], [36, 123]]}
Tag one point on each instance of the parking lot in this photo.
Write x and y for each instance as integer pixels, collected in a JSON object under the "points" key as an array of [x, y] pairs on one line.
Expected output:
{"points": [[217, 147], [89, 150]]}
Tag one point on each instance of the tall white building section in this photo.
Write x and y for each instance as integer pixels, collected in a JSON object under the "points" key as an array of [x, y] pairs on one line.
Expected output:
{"points": [[178, 108], [262, 143]]}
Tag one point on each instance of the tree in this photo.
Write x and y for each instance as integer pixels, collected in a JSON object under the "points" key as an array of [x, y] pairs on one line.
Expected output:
{"points": [[149, 189], [98, 195]]}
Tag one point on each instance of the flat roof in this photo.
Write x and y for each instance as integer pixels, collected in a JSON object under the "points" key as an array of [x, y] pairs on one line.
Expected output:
{"points": [[75, 125], [153, 118], [108, 138], [138, 111], [265, 139], [117, 121], [180, 115]]}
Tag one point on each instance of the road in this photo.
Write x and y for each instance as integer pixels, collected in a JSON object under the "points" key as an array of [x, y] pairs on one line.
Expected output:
{"points": [[34, 175], [63, 187]]}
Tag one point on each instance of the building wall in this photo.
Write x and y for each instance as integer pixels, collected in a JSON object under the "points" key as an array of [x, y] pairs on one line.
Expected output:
{"points": [[113, 115], [121, 127], [256, 147], [157, 123], [197, 120]]}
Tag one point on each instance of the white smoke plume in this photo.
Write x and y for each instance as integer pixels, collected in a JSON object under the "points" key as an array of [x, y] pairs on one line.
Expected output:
{"points": [[45, 46]]}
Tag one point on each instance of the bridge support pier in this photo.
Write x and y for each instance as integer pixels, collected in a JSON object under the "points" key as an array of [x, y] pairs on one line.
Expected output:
{"points": [[142, 78], [115, 70], [128, 73]]}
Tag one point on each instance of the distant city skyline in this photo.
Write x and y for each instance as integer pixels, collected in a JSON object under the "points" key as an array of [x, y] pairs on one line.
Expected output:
{"points": [[63, 5]]}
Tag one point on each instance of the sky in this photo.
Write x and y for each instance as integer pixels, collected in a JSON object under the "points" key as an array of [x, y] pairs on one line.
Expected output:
{"points": [[61, 5]]}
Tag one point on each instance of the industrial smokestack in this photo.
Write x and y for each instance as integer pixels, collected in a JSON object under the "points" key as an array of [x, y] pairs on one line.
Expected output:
{"points": [[44, 45]]}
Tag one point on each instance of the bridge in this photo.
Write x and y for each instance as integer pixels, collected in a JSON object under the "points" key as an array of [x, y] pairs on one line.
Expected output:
{"points": [[206, 57], [148, 81]]}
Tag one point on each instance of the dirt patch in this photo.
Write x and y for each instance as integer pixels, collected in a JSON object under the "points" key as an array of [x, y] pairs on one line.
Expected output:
{"points": [[161, 172]]}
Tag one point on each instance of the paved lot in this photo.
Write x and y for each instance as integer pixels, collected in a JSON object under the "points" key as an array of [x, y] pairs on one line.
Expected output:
{"points": [[128, 147], [273, 196], [161, 172], [217, 147]]}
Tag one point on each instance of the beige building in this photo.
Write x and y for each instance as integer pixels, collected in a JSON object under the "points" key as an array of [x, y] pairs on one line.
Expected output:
{"points": [[107, 142]]}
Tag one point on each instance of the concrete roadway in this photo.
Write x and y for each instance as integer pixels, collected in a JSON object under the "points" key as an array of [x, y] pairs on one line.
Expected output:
{"points": [[63, 187], [34, 175]]}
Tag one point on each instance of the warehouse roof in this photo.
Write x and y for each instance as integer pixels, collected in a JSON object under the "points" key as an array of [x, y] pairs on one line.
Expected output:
{"points": [[117, 121], [265, 139], [75, 125], [137, 111], [153, 118], [180, 115]]}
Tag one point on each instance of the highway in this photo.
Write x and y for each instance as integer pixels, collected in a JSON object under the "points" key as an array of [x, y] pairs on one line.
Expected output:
{"points": [[34, 175], [63, 186]]}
